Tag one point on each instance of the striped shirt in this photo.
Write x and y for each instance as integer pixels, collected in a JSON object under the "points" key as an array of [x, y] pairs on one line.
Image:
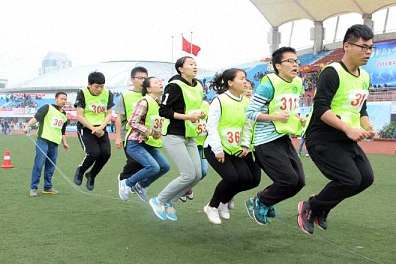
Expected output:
{"points": [[264, 131]]}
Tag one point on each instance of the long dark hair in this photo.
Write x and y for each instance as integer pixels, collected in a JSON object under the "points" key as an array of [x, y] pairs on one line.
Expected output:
{"points": [[146, 84], [179, 63], [220, 81]]}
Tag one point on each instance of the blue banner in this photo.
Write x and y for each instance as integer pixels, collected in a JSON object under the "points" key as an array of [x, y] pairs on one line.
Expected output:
{"points": [[382, 65]]}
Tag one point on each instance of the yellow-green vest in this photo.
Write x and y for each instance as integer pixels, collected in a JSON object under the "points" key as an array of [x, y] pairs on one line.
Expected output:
{"points": [[351, 94], [52, 125], [192, 96], [286, 98], [95, 110], [232, 120]]}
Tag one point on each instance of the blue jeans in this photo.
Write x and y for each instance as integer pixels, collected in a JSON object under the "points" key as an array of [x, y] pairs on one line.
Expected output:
{"points": [[154, 163], [204, 162], [44, 147]]}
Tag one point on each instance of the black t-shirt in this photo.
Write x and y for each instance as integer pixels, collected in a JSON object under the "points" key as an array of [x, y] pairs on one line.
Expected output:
{"points": [[80, 102], [172, 101], [318, 131], [40, 115]]}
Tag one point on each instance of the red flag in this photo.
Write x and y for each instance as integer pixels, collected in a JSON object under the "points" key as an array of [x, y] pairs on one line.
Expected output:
{"points": [[189, 47]]}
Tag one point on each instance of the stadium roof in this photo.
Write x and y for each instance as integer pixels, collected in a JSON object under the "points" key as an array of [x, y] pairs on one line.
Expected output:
{"points": [[278, 12], [117, 75]]}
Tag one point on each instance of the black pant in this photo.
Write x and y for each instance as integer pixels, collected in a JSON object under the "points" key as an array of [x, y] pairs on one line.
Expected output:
{"points": [[131, 166], [97, 151], [280, 162], [346, 165], [238, 174]]}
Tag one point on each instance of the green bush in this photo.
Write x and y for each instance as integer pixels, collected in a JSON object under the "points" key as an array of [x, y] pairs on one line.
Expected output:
{"points": [[388, 131]]}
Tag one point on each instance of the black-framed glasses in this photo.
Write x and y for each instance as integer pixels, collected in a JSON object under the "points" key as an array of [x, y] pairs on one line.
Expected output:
{"points": [[140, 78], [291, 61], [363, 48]]}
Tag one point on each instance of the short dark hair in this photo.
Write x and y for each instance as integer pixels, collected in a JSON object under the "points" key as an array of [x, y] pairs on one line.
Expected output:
{"points": [[278, 55], [96, 77], [138, 69], [60, 93], [179, 63], [146, 84], [220, 81], [355, 32]]}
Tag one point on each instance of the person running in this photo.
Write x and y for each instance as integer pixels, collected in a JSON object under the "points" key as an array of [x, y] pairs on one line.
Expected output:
{"points": [[93, 104], [275, 107], [234, 164], [144, 141], [181, 104], [52, 128], [339, 120], [200, 139], [124, 109]]}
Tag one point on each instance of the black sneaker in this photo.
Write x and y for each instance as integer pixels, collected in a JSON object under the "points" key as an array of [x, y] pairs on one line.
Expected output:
{"points": [[78, 177], [90, 181], [321, 220], [305, 219]]}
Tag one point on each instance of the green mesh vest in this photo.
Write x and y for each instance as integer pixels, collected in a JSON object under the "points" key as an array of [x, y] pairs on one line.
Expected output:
{"points": [[95, 110]]}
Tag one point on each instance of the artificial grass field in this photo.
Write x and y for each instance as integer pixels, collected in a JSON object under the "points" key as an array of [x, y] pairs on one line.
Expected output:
{"points": [[75, 227]]}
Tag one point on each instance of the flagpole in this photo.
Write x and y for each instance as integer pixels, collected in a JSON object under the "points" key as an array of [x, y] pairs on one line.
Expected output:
{"points": [[173, 38], [191, 42]]}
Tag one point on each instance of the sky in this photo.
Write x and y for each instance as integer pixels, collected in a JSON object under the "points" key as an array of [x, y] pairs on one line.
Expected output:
{"points": [[229, 32]]}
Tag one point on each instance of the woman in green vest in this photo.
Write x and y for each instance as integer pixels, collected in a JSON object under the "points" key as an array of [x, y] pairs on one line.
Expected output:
{"points": [[181, 104], [144, 141], [223, 151]]}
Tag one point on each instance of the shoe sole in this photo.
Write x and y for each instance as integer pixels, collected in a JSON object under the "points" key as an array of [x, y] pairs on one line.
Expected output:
{"points": [[122, 197], [49, 193], [155, 212], [299, 219], [319, 226], [248, 211], [205, 211], [183, 200]]}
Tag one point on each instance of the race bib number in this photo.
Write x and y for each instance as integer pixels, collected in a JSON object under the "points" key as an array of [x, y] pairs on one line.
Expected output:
{"points": [[156, 123], [288, 102], [57, 123], [97, 108], [357, 98], [201, 128], [232, 135]]}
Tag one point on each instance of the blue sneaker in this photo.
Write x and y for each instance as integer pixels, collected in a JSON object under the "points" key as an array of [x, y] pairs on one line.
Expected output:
{"points": [[158, 208], [140, 191], [170, 212], [249, 204], [271, 212], [260, 212]]}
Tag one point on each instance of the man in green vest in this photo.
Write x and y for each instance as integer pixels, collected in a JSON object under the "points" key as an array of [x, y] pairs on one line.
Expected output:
{"points": [[52, 127], [124, 109], [93, 104], [274, 107], [339, 120]]}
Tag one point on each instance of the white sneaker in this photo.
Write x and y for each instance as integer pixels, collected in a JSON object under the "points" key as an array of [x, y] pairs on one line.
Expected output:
{"points": [[213, 214], [224, 212], [231, 204], [123, 190]]}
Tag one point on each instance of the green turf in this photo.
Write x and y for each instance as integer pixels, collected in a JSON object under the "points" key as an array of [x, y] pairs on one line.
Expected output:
{"points": [[73, 227]]}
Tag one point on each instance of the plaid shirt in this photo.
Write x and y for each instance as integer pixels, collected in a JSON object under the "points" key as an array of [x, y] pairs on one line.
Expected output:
{"points": [[137, 121]]}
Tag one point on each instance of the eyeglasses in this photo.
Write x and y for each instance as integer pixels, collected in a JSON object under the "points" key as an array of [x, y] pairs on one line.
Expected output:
{"points": [[296, 61], [363, 48], [140, 78]]}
